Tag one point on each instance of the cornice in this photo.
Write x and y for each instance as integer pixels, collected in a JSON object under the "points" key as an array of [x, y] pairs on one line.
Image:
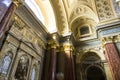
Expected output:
{"points": [[111, 39], [28, 18]]}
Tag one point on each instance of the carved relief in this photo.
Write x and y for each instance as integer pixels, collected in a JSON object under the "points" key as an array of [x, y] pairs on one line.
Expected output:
{"points": [[18, 28], [26, 34], [79, 10]]}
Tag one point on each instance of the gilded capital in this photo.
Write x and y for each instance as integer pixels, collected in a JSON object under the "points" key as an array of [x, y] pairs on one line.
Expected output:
{"points": [[52, 44], [18, 2], [68, 47], [106, 40], [117, 38]]}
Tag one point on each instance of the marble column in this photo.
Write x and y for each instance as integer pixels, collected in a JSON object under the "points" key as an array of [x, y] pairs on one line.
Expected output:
{"points": [[3, 8], [52, 72], [7, 17], [50, 63], [60, 64], [69, 73], [112, 56], [46, 65]]}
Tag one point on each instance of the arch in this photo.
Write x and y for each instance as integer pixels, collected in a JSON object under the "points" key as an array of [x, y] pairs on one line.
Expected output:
{"points": [[82, 15], [95, 73], [98, 53], [81, 11], [89, 53], [91, 59], [100, 67], [7, 59]]}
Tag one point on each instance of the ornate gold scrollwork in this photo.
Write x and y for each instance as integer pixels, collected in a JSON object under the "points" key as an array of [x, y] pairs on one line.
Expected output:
{"points": [[52, 44], [117, 38], [68, 47], [110, 39], [107, 39], [18, 2]]}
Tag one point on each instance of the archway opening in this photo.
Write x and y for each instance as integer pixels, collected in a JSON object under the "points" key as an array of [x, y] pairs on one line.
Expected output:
{"points": [[95, 73], [92, 67]]}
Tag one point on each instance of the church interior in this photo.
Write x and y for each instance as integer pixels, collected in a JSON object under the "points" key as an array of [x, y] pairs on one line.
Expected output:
{"points": [[59, 39]]}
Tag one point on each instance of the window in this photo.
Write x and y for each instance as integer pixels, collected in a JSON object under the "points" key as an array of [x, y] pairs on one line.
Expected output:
{"points": [[84, 30], [5, 63]]}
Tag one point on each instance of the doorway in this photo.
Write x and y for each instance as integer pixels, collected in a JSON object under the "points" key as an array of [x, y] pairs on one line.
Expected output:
{"points": [[95, 73]]}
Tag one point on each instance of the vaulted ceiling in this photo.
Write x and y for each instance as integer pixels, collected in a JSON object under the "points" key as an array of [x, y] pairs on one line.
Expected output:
{"points": [[61, 15]]}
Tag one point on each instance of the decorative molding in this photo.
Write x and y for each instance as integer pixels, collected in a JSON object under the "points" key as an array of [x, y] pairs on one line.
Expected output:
{"points": [[117, 38], [82, 51], [52, 44], [18, 2], [61, 16], [104, 9], [110, 39], [21, 31], [106, 40], [68, 47]]}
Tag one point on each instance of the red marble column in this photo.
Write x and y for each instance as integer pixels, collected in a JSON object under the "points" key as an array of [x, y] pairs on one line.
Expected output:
{"points": [[69, 65], [46, 65], [49, 67], [3, 8], [113, 60], [52, 72], [6, 19]]}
